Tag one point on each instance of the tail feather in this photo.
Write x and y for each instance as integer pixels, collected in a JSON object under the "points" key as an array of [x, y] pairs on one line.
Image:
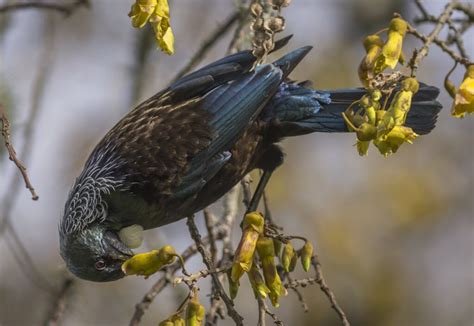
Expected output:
{"points": [[296, 117]]}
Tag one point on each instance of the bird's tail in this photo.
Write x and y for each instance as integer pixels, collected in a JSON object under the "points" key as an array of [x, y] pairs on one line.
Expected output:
{"points": [[300, 110]]}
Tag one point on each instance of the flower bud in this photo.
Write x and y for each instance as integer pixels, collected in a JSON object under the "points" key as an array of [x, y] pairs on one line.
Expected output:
{"points": [[253, 226], [266, 252], [257, 282], [178, 321], [294, 260], [277, 246], [287, 256], [306, 254], [233, 286], [366, 132], [149, 263], [194, 312]]}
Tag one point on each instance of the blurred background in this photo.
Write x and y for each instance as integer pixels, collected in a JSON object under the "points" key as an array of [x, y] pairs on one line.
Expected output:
{"points": [[395, 236]]}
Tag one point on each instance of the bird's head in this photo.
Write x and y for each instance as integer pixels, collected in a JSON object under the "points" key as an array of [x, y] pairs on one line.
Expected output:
{"points": [[95, 254]]}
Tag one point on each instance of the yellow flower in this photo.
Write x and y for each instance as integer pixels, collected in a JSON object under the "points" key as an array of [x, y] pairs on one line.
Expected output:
{"points": [[373, 46], [389, 143], [464, 100], [392, 49], [141, 12], [253, 226], [149, 263], [266, 252], [157, 13]]}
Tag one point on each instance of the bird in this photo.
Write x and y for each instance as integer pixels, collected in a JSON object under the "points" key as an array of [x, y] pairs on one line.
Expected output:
{"points": [[189, 144]]}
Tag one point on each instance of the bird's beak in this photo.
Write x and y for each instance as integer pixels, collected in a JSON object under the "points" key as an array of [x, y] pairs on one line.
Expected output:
{"points": [[122, 251]]}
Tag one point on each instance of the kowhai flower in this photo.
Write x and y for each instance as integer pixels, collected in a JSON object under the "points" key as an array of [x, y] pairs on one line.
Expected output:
{"points": [[253, 226], [157, 14], [464, 99], [392, 49], [149, 263]]}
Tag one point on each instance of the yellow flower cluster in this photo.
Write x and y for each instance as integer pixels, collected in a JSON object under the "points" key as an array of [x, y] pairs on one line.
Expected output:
{"points": [[157, 13], [464, 96], [268, 249], [148, 263], [384, 127]]}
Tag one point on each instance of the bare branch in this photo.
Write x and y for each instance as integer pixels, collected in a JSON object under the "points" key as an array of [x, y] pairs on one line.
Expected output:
{"points": [[193, 230], [327, 291], [60, 304], [12, 152], [66, 9], [418, 55]]}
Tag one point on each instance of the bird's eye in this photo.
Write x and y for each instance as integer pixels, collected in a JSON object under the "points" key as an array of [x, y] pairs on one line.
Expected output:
{"points": [[100, 265]]}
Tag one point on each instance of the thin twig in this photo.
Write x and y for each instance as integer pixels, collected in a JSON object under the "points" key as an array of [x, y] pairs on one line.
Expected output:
{"points": [[12, 153], [327, 291], [193, 230], [418, 55], [442, 45], [10, 198], [60, 304], [66, 9], [207, 45]]}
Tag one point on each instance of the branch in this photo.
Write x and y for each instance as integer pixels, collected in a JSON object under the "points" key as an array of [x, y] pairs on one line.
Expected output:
{"points": [[327, 291], [61, 303], [193, 230], [12, 153], [67, 10], [442, 45], [418, 55]]}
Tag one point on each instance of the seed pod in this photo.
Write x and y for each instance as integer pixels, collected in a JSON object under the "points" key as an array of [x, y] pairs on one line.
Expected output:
{"points": [[275, 24], [266, 252], [287, 256], [257, 282], [166, 322], [306, 254], [253, 226]]}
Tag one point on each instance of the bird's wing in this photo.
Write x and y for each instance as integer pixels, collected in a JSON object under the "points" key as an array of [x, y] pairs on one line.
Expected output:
{"points": [[172, 144]]}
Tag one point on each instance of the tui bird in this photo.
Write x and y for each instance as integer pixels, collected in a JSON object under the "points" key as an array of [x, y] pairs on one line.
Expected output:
{"points": [[186, 146]]}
